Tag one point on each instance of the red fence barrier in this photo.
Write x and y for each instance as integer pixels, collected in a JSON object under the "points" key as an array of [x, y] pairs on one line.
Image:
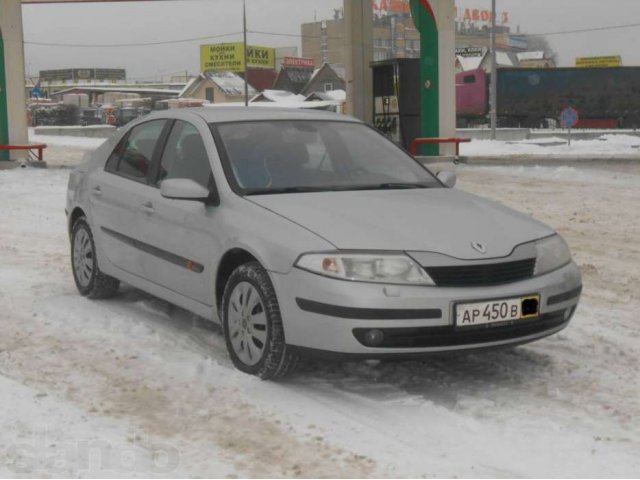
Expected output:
{"points": [[30, 148], [435, 141]]}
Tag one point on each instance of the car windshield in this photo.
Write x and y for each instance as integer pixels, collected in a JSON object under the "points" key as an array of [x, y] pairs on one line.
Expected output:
{"points": [[264, 157]]}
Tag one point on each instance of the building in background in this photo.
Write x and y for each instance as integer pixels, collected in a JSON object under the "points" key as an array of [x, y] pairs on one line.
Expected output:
{"points": [[535, 59], [326, 79], [395, 36], [282, 53], [217, 87], [293, 79]]}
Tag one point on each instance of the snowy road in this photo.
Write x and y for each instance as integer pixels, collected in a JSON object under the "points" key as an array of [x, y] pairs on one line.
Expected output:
{"points": [[136, 387]]}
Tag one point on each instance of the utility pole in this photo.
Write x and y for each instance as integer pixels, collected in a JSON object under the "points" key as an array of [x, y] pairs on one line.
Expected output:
{"points": [[494, 73], [244, 32]]}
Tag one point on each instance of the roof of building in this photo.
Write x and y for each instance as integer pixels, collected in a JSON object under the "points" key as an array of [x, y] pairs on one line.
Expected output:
{"points": [[278, 96], [298, 77], [230, 84], [537, 55], [503, 59], [116, 88], [329, 96]]}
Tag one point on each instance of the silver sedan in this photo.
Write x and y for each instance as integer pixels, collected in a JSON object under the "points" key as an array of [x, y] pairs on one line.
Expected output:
{"points": [[309, 233]]}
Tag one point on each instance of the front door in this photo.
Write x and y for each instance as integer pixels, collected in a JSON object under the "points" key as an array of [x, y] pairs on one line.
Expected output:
{"points": [[182, 232]]}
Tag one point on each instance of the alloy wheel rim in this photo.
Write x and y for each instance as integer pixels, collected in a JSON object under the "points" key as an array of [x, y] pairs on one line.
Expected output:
{"points": [[83, 257], [247, 323]]}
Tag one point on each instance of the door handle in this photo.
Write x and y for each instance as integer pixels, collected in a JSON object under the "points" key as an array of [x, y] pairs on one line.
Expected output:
{"points": [[147, 207], [97, 191]]}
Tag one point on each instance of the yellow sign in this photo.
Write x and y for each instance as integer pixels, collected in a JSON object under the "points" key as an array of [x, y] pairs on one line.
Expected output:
{"points": [[229, 57], [591, 62]]}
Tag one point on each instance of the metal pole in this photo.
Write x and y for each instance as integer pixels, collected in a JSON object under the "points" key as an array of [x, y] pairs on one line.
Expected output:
{"points": [[244, 30], [494, 73]]}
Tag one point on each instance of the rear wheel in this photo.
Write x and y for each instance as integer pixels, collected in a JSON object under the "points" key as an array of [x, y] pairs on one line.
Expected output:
{"points": [[89, 278], [253, 326]]}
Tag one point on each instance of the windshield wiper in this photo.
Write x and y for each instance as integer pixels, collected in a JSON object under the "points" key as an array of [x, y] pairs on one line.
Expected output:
{"points": [[389, 186]]}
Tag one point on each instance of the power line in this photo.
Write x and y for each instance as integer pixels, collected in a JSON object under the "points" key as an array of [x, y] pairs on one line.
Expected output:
{"points": [[117, 45], [277, 34], [295, 35], [583, 30]]}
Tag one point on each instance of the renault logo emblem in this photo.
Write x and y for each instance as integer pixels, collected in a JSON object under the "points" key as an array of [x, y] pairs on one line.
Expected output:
{"points": [[479, 247]]}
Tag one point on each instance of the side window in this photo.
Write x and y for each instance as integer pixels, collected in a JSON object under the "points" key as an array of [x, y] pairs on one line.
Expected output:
{"points": [[185, 156], [132, 157]]}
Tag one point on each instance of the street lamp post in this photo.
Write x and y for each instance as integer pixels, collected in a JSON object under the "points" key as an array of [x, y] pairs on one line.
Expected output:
{"points": [[244, 32], [494, 72]]}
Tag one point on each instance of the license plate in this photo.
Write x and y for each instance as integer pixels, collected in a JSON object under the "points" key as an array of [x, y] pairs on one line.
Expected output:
{"points": [[479, 313]]}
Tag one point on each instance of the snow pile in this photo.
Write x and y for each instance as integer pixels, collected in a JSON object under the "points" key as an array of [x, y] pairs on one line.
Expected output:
{"points": [[606, 146], [68, 141]]}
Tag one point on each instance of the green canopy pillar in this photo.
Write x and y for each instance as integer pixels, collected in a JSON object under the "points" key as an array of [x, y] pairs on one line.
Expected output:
{"points": [[435, 20], [4, 116]]}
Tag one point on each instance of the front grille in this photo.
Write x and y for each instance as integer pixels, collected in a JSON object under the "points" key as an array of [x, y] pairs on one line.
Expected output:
{"points": [[450, 336], [484, 274]]}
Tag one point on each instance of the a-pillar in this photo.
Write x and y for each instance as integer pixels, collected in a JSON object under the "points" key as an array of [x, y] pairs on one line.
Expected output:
{"points": [[358, 21], [13, 116], [435, 20]]}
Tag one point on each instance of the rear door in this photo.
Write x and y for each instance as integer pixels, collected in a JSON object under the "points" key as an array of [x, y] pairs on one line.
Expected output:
{"points": [[182, 233], [118, 194]]}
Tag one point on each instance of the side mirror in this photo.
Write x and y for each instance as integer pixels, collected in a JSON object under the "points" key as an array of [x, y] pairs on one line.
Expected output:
{"points": [[183, 189], [448, 178]]}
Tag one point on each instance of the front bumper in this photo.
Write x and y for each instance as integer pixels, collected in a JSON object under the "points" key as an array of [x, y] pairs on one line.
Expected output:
{"points": [[321, 314]]}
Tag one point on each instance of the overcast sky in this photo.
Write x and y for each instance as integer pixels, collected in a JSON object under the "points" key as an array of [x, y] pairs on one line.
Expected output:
{"points": [[180, 19]]}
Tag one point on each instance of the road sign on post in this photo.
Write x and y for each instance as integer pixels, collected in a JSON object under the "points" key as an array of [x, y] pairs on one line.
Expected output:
{"points": [[568, 119]]}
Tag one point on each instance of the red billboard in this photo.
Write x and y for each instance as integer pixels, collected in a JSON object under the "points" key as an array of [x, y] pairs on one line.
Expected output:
{"points": [[299, 62]]}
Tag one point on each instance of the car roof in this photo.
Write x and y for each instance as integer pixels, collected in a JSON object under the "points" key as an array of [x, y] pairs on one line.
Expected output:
{"points": [[242, 113]]}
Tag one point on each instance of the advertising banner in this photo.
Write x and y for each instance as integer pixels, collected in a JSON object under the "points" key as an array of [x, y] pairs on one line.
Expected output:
{"points": [[229, 57], [602, 62]]}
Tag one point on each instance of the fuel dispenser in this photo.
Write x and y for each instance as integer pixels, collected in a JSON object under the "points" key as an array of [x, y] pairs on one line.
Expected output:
{"points": [[396, 102]]}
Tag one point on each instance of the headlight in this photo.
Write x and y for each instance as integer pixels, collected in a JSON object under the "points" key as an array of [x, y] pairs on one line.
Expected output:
{"points": [[552, 253], [363, 267]]}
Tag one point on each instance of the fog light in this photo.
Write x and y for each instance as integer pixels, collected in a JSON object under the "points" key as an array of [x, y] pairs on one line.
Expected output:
{"points": [[374, 337], [568, 312]]}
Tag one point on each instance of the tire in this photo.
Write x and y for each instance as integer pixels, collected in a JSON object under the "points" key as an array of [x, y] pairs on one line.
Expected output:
{"points": [[252, 324], [90, 280]]}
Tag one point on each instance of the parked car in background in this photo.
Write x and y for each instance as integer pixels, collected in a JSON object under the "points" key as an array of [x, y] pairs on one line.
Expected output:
{"points": [[310, 233]]}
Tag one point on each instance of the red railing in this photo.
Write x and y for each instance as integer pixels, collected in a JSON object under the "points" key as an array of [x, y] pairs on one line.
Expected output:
{"points": [[435, 141], [30, 148]]}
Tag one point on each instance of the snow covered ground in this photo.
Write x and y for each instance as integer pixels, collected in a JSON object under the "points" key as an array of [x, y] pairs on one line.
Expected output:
{"points": [[136, 387], [606, 145]]}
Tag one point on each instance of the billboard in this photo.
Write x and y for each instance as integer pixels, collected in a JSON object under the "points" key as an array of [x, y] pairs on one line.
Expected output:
{"points": [[229, 57], [468, 52], [83, 74], [603, 62], [297, 62]]}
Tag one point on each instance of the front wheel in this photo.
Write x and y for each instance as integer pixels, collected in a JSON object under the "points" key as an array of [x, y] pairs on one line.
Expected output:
{"points": [[89, 279], [252, 324]]}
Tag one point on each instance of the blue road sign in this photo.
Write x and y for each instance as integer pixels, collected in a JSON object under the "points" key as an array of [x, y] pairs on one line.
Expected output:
{"points": [[569, 117]]}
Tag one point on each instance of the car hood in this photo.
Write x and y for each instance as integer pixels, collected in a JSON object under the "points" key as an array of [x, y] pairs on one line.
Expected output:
{"points": [[439, 220]]}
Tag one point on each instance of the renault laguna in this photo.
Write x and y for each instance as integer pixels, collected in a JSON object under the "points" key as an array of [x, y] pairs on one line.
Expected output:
{"points": [[309, 233]]}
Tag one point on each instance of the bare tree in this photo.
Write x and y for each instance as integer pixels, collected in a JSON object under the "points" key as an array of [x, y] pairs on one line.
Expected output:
{"points": [[542, 44]]}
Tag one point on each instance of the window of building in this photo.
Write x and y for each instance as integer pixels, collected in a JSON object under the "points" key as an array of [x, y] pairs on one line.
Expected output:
{"points": [[328, 87]]}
